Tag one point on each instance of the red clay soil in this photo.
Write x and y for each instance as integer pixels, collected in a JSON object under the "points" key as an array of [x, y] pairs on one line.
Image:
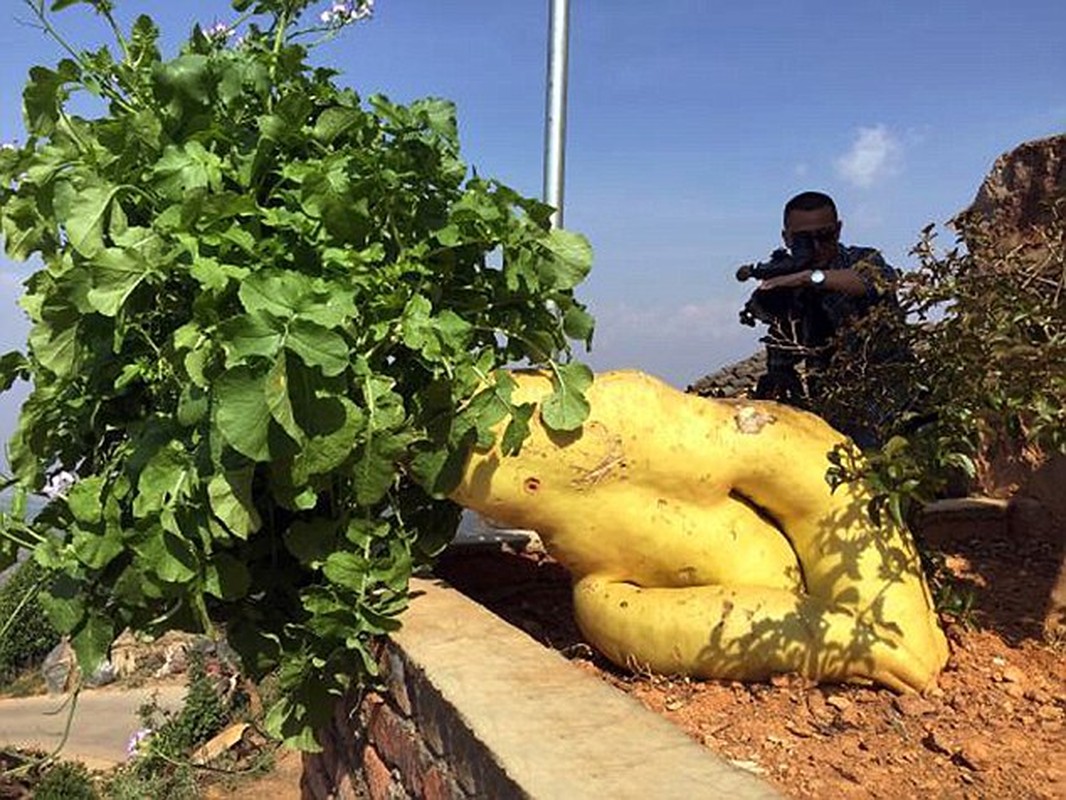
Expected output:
{"points": [[994, 728]]}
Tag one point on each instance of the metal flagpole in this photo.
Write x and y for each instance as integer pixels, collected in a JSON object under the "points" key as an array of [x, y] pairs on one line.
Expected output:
{"points": [[555, 116]]}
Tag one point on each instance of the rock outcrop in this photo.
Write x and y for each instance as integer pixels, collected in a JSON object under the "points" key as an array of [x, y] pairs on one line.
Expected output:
{"points": [[1017, 200], [1015, 222]]}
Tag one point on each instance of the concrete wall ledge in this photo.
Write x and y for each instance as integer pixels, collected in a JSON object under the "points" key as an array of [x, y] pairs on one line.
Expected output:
{"points": [[554, 730], [476, 708]]}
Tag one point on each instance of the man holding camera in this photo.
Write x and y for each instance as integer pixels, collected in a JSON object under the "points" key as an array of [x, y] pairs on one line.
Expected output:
{"points": [[808, 294]]}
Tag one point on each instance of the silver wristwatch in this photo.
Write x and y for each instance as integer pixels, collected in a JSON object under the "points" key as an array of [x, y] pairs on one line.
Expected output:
{"points": [[817, 277]]}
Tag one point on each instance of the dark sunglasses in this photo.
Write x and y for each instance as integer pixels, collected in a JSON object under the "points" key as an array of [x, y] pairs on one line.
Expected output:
{"points": [[821, 235]]}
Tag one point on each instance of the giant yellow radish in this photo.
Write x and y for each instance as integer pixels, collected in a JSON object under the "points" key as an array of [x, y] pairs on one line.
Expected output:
{"points": [[703, 538]]}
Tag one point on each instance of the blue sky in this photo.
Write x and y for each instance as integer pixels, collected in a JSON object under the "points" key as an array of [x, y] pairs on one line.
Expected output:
{"points": [[690, 123]]}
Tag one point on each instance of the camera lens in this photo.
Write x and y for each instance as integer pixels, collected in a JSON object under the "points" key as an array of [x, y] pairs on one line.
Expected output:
{"points": [[802, 247]]}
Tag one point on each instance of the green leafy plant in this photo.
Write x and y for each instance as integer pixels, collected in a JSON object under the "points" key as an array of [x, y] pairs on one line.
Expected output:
{"points": [[983, 333], [26, 635], [264, 336], [203, 713], [66, 780]]}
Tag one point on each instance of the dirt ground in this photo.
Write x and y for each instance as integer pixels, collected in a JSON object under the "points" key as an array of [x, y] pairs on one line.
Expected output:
{"points": [[994, 728]]}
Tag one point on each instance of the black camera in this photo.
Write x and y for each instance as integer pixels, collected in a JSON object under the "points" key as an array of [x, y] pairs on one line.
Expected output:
{"points": [[782, 261], [767, 306]]}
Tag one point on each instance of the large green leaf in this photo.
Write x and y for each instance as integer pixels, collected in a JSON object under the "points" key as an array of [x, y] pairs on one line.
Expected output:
{"points": [[327, 451], [374, 471], [335, 122], [168, 478], [168, 555], [58, 343], [248, 335], [45, 93], [279, 293], [318, 347], [566, 408], [311, 541], [242, 413], [230, 495], [115, 275], [95, 549], [83, 211], [348, 570], [184, 168], [83, 499], [63, 602], [92, 639], [572, 259], [278, 401]]}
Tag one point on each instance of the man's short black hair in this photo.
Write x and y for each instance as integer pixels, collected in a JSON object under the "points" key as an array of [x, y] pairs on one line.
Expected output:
{"points": [[809, 201]]}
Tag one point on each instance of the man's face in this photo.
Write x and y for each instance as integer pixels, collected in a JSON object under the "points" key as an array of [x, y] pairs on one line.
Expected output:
{"points": [[824, 228]]}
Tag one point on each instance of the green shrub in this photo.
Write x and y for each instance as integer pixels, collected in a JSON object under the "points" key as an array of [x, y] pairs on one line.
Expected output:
{"points": [[27, 633], [67, 780], [984, 332], [265, 328], [202, 715]]}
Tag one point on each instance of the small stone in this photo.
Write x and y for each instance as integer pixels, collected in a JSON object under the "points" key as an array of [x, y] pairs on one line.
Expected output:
{"points": [[851, 716], [816, 704], [1015, 690], [975, 756], [839, 702], [1013, 675], [938, 743], [1037, 696], [748, 766], [911, 705], [801, 729], [1048, 712]]}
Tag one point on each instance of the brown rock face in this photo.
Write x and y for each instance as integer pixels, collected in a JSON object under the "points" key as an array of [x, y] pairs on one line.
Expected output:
{"points": [[1015, 211], [1017, 198]]}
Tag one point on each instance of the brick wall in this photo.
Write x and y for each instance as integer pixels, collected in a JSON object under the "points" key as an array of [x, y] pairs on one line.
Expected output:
{"points": [[469, 706], [403, 741]]}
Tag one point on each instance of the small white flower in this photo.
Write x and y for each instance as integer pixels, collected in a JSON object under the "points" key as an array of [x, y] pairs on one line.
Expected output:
{"points": [[220, 30], [326, 17], [137, 743], [59, 484]]}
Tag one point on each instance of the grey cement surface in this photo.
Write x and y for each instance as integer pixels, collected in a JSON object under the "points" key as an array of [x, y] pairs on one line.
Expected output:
{"points": [[103, 722], [475, 531]]}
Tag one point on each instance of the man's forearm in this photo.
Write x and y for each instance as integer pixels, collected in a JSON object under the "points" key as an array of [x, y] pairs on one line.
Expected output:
{"points": [[845, 281]]}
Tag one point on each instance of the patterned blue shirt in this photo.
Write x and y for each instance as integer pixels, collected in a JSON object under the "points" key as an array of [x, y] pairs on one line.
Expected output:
{"points": [[794, 341]]}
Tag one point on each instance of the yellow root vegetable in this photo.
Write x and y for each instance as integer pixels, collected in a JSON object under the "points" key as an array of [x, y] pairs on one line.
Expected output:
{"points": [[704, 540]]}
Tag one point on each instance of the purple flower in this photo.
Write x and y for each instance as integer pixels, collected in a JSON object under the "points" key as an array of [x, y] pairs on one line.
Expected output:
{"points": [[137, 743]]}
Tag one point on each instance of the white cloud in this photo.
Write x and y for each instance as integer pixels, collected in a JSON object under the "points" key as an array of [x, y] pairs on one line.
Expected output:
{"points": [[874, 155]]}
